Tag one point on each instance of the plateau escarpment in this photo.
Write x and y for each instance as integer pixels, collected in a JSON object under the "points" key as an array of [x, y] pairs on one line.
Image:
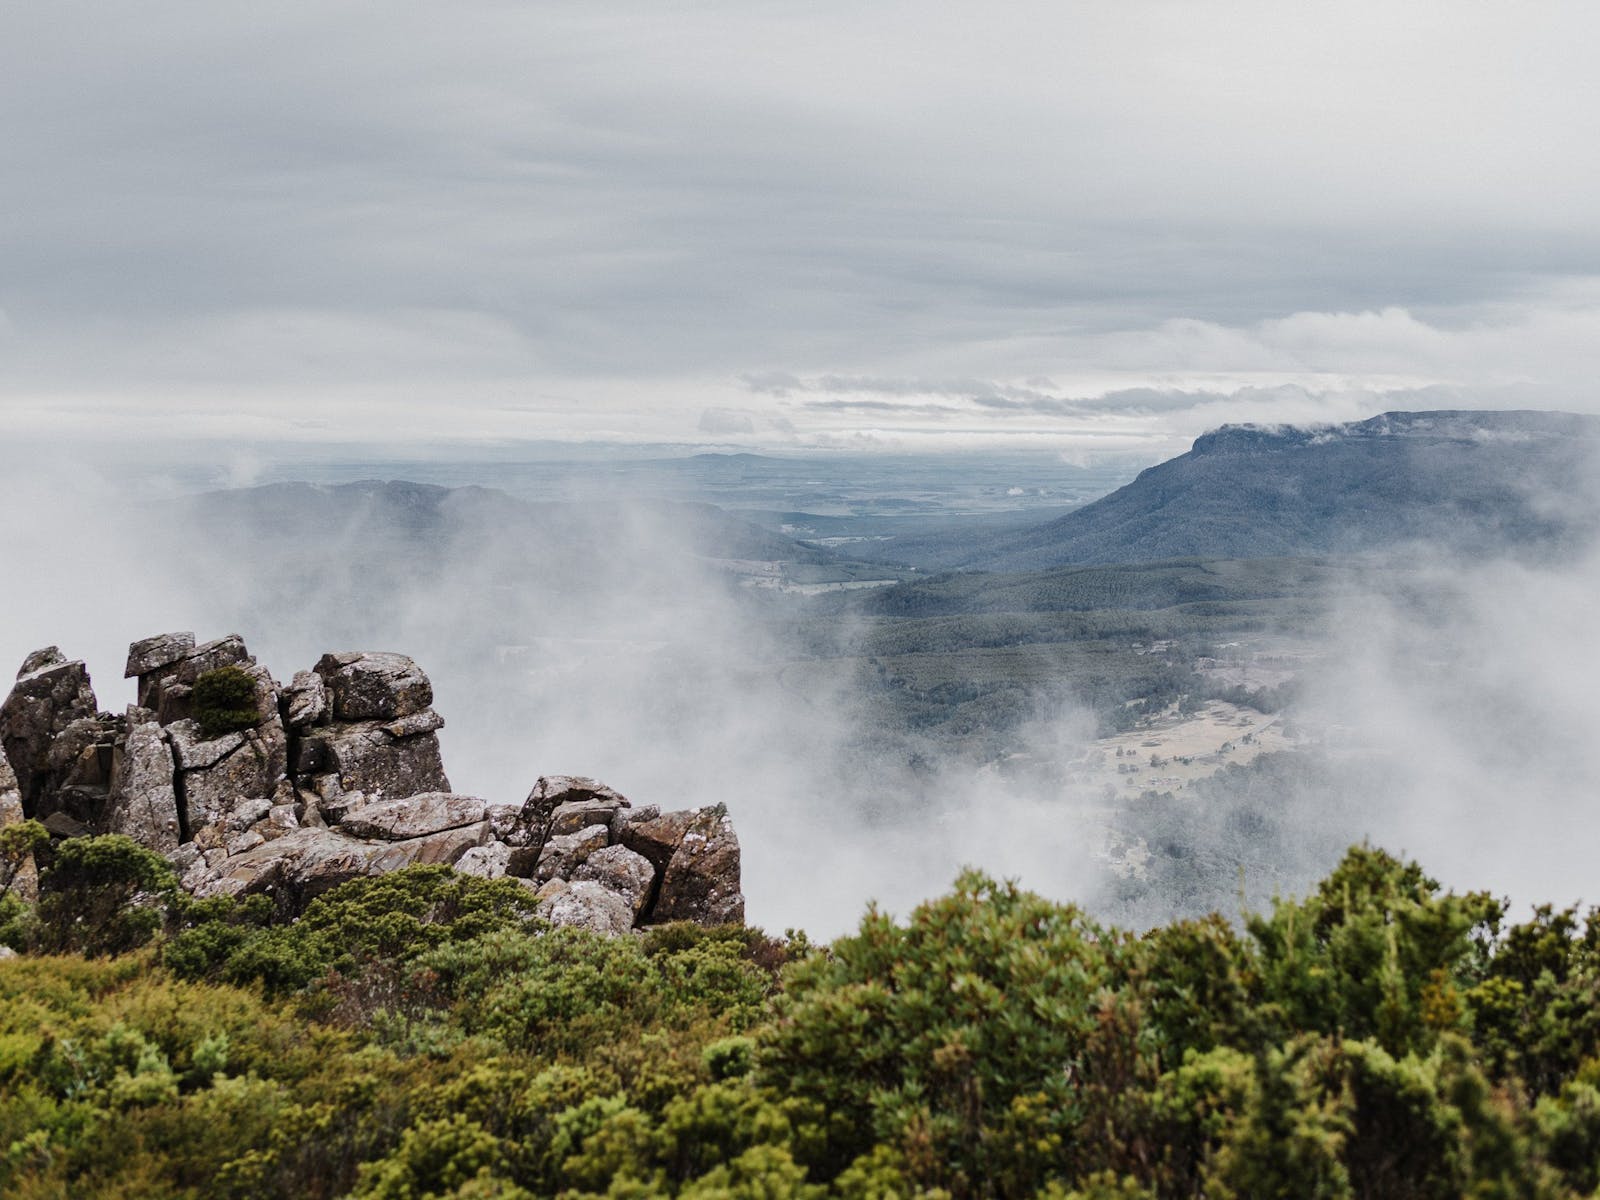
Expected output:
{"points": [[251, 786]]}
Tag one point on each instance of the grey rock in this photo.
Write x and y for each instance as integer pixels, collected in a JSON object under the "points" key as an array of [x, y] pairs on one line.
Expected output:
{"points": [[7, 953], [485, 862], [62, 826], [656, 837], [333, 804], [367, 759], [532, 825], [252, 810], [144, 803], [162, 650], [442, 849], [184, 857], [702, 879], [563, 855], [625, 816], [426, 721], [305, 701], [41, 705], [281, 819], [580, 814], [588, 905], [304, 864], [624, 872], [244, 779], [50, 656], [371, 685], [502, 818], [79, 767], [412, 816], [197, 753]]}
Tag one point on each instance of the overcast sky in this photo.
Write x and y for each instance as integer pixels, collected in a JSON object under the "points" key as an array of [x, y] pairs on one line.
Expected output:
{"points": [[1092, 226]]}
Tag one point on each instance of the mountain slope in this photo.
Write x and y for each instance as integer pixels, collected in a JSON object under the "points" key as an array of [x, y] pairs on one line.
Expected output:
{"points": [[1467, 481]]}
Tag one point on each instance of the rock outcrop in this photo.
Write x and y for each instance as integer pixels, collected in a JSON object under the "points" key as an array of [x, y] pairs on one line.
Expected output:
{"points": [[335, 776]]}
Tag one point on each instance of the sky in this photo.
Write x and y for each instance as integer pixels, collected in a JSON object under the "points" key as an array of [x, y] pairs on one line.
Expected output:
{"points": [[1095, 229]]}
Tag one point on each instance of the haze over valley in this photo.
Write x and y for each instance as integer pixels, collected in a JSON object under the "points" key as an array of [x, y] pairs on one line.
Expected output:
{"points": [[1240, 651]]}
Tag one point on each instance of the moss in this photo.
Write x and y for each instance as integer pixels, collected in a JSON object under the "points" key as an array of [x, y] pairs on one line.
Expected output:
{"points": [[225, 701]]}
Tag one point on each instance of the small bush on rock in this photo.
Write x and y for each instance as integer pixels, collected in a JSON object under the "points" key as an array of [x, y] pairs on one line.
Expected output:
{"points": [[225, 701]]}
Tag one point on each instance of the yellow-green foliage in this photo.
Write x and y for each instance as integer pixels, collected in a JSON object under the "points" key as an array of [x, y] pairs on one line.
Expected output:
{"points": [[422, 1036]]}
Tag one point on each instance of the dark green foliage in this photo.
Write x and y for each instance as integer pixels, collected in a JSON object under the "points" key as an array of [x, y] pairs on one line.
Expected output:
{"points": [[958, 1037], [388, 920], [224, 701], [419, 1035], [102, 895]]}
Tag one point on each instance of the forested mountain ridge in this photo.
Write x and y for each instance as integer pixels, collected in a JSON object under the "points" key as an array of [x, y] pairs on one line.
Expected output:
{"points": [[1467, 481]]}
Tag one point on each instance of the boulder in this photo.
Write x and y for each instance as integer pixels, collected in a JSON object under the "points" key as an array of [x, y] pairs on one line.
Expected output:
{"points": [[656, 836], [488, 861], [305, 701], [79, 766], [368, 686], [41, 705], [588, 905], [364, 757], [50, 656], [624, 872], [443, 849], [162, 650], [702, 879], [561, 856], [222, 779], [530, 826], [143, 803], [304, 863], [412, 816], [60, 825], [580, 814]]}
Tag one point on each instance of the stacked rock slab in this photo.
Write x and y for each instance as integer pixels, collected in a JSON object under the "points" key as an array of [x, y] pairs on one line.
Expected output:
{"points": [[365, 728], [53, 695], [338, 777]]}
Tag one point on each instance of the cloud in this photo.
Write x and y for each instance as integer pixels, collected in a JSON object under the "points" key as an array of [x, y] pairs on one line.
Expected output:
{"points": [[720, 421], [320, 212]]}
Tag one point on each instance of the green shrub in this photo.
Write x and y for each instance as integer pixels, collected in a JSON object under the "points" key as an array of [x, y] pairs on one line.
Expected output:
{"points": [[387, 920], [225, 700], [103, 895]]}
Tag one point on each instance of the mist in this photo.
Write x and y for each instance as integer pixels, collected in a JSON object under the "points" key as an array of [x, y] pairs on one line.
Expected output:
{"points": [[1448, 709], [592, 637], [1471, 703]]}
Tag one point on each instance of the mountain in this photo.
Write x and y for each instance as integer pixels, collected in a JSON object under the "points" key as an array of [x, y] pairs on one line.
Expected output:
{"points": [[1471, 482]]}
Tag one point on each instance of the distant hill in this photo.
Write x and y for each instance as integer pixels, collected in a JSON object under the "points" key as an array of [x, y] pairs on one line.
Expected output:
{"points": [[380, 513], [1464, 481]]}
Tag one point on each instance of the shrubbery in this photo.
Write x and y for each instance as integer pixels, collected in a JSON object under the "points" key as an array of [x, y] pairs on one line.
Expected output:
{"points": [[225, 700], [421, 1035]]}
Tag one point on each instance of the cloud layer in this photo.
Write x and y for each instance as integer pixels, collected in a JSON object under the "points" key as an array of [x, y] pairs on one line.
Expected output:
{"points": [[502, 221]]}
